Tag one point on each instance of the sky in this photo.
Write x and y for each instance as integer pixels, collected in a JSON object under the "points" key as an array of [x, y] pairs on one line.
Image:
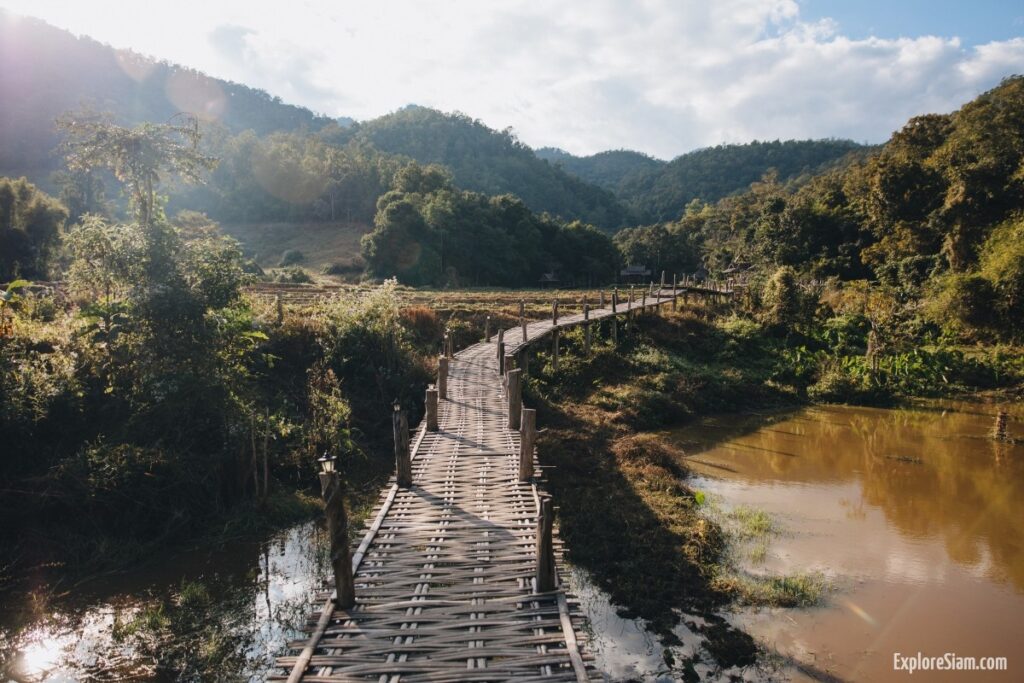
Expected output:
{"points": [[660, 76]]}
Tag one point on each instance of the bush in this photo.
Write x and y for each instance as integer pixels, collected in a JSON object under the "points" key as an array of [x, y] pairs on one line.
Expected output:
{"points": [[782, 301], [291, 257], [294, 276]]}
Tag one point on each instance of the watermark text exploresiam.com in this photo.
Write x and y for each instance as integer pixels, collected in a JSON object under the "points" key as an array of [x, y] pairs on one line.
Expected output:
{"points": [[949, 661]]}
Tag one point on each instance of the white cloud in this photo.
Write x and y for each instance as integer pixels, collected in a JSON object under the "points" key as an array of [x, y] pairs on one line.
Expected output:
{"points": [[661, 76]]}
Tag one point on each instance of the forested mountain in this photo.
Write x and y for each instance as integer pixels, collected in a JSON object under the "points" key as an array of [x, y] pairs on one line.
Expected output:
{"points": [[611, 170], [936, 216], [46, 71], [715, 172], [492, 162]]}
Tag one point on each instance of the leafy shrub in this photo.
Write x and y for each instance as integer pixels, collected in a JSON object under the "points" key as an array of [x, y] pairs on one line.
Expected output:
{"points": [[293, 275], [291, 257], [782, 299]]}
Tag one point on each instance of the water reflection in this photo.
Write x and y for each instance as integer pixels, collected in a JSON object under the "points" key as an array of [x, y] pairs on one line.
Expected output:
{"points": [[915, 513], [71, 637]]}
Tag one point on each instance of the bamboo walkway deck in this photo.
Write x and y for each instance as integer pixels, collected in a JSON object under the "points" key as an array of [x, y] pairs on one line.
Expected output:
{"points": [[445, 573]]}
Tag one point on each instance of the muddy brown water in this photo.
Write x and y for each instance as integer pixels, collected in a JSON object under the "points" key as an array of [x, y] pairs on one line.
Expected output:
{"points": [[914, 515]]}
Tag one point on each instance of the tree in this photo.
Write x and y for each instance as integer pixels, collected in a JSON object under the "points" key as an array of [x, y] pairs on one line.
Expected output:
{"points": [[136, 156], [30, 224]]}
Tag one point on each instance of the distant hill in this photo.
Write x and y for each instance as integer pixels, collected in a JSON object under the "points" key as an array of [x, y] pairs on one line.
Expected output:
{"points": [[493, 162], [715, 172], [46, 71], [611, 170]]}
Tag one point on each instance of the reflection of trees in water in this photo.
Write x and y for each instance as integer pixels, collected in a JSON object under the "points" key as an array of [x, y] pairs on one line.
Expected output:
{"points": [[932, 473]]}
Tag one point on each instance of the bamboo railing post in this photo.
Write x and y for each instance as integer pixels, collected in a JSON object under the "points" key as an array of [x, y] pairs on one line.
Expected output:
{"points": [[501, 358], [442, 378], [675, 298], [337, 531], [554, 348], [527, 437], [586, 330], [615, 299], [501, 345], [602, 298], [662, 280], [431, 408], [487, 329], [554, 312], [545, 546], [508, 364], [403, 463], [515, 398], [643, 301]]}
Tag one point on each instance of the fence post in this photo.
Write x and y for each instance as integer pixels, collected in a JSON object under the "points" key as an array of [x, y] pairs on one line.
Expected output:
{"points": [[515, 398], [554, 349], [403, 462], [442, 378], [545, 546], [527, 437], [431, 408], [337, 531]]}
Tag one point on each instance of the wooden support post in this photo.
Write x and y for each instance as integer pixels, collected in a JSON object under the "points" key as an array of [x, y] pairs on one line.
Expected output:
{"points": [[643, 301], [527, 437], [675, 296], [602, 298], [403, 463], [631, 287], [337, 531], [522, 317], [509, 364], [586, 339], [586, 311], [651, 292], [431, 408], [501, 358], [515, 398], [554, 349], [662, 280], [501, 344], [554, 312], [442, 378], [524, 360], [546, 580], [487, 329], [615, 299]]}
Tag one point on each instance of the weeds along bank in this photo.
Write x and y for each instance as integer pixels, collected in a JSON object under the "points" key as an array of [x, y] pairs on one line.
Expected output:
{"points": [[131, 419]]}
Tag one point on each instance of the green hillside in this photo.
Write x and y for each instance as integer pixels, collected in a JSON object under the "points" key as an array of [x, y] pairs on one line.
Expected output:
{"points": [[46, 71], [611, 170]]}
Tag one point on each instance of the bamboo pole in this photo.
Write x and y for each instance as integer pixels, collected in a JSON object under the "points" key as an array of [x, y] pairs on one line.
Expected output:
{"points": [[431, 408], [337, 531], [442, 378], [403, 463], [527, 437], [546, 580], [515, 398]]}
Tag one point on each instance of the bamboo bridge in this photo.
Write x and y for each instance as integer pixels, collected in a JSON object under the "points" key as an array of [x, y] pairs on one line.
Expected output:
{"points": [[457, 576]]}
